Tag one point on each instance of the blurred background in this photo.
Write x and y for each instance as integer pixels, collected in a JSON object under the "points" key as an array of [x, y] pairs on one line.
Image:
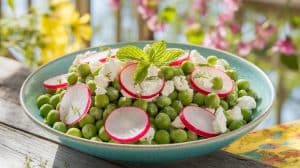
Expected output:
{"points": [[265, 32]]}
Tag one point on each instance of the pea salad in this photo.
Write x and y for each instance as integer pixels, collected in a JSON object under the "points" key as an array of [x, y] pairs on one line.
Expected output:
{"points": [[154, 95]]}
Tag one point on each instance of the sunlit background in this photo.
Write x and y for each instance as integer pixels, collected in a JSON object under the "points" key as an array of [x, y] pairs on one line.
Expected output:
{"points": [[265, 32]]}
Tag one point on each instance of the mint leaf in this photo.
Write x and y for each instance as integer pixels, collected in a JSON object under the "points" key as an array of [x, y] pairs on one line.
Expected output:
{"points": [[131, 52], [141, 72], [168, 56], [159, 47]]}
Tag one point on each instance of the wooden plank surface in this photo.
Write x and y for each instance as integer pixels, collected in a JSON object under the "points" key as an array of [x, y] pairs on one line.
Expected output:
{"points": [[22, 141]]}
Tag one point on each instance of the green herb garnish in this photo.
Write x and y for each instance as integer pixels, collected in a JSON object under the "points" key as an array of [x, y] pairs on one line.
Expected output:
{"points": [[156, 54]]}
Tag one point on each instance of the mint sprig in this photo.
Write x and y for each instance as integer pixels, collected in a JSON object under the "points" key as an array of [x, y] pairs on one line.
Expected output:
{"points": [[156, 54]]}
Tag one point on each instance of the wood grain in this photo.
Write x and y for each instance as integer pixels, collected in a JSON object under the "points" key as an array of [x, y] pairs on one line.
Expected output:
{"points": [[22, 141]]}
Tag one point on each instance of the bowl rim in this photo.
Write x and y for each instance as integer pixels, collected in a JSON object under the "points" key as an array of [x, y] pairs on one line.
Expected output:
{"points": [[220, 137]]}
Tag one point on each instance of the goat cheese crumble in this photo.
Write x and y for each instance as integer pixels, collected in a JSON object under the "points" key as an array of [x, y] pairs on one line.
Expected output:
{"points": [[219, 124], [246, 102]]}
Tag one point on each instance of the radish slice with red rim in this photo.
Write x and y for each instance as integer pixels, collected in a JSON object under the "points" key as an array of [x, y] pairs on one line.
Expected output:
{"points": [[100, 56], [56, 82], [154, 87], [198, 120], [127, 124], [180, 60], [125, 94], [200, 83], [75, 104]]}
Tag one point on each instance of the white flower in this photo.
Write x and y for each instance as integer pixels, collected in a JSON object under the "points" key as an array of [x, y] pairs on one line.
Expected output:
{"points": [[246, 102], [100, 91], [152, 71], [177, 123], [168, 88], [181, 83], [197, 58], [219, 124], [149, 135], [94, 66], [111, 68], [235, 113], [101, 81]]}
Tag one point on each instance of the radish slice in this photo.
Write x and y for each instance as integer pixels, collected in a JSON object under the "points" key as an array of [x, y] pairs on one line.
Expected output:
{"points": [[100, 56], [198, 120], [180, 60], [200, 84], [56, 82], [127, 124], [154, 87], [125, 94], [75, 104]]}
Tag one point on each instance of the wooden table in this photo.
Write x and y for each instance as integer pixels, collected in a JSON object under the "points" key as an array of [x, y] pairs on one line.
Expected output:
{"points": [[25, 144]]}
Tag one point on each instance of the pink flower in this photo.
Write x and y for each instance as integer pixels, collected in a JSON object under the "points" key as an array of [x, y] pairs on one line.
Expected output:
{"points": [[259, 43], [285, 46], [244, 48], [115, 4], [265, 30], [216, 39], [145, 12], [147, 7], [154, 24], [235, 27], [230, 7], [200, 6]]}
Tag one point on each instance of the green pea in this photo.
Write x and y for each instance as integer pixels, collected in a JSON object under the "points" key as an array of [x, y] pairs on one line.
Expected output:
{"points": [[152, 109], [177, 71], [167, 72], [232, 74], [92, 85], [57, 106], [101, 101], [93, 101], [72, 68], [212, 60], [247, 114], [228, 118], [170, 111], [163, 101], [45, 109], [116, 84], [96, 73], [252, 93], [108, 110], [112, 93], [185, 97], [99, 124], [103, 135], [74, 125], [232, 98], [243, 84], [58, 91], [162, 137], [235, 124], [162, 121], [242, 93], [84, 70], [60, 126], [95, 138], [224, 104], [187, 67], [54, 100], [212, 100], [52, 117], [178, 135], [124, 101], [46, 121], [152, 123], [199, 99], [42, 99], [192, 136], [177, 105], [74, 132], [87, 119], [217, 83], [173, 95], [89, 130], [141, 104], [50, 92], [72, 78], [89, 78], [95, 112]]}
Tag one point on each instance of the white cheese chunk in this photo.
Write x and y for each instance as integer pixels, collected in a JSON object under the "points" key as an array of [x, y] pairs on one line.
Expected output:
{"points": [[197, 58], [177, 123], [246, 102], [235, 113], [149, 135], [111, 68], [219, 124], [181, 83], [168, 88]]}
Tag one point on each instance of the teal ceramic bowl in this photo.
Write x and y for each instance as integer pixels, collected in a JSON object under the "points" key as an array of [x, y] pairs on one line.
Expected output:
{"points": [[33, 87]]}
